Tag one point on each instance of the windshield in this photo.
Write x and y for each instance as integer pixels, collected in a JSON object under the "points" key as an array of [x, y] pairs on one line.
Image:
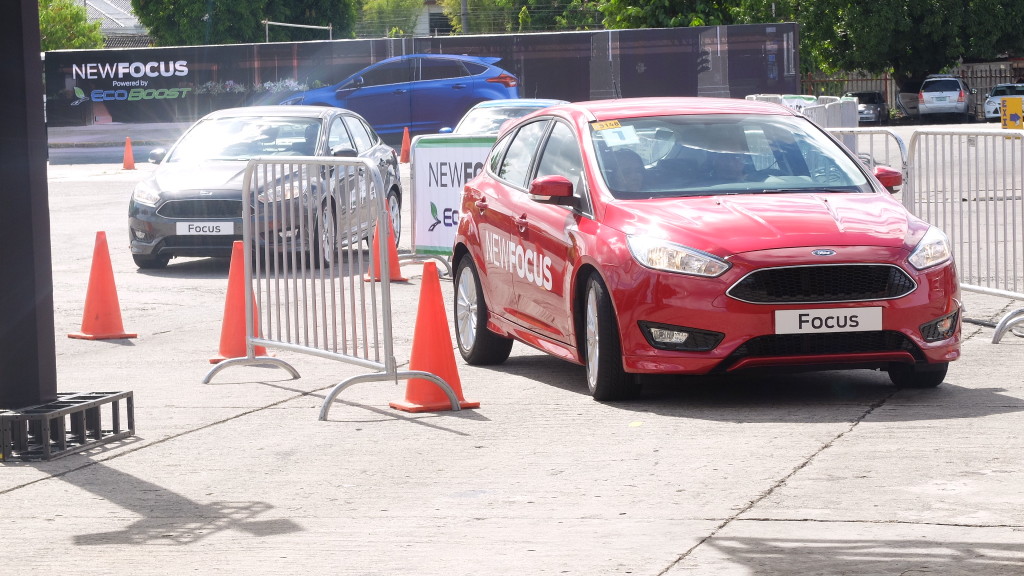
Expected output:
{"points": [[699, 155], [240, 138], [489, 120]]}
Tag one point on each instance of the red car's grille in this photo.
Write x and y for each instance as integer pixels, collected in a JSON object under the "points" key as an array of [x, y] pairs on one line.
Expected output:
{"points": [[813, 284], [212, 208], [775, 345]]}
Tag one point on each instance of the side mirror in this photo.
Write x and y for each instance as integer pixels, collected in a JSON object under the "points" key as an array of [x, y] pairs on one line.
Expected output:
{"points": [[890, 178], [553, 190], [344, 152], [156, 155]]}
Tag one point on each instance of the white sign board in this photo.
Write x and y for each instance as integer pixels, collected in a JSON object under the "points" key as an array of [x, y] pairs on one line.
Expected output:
{"points": [[440, 165]]}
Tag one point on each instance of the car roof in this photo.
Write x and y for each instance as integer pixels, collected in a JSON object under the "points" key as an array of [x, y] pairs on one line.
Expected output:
{"points": [[320, 112], [507, 102], [663, 106]]}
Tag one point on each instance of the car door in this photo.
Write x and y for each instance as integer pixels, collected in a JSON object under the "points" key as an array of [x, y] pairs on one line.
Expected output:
{"points": [[441, 95], [382, 94], [367, 148], [492, 202], [548, 237]]}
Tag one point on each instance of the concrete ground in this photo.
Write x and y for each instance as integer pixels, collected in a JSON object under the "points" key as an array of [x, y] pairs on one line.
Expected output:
{"points": [[812, 474]]}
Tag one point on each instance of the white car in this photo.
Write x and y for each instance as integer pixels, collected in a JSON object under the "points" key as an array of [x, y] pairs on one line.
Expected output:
{"points": [[946, 95], [994, 98]]}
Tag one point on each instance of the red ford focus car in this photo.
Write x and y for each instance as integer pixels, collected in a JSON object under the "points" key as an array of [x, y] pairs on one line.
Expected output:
{"points": [[697, 236]]}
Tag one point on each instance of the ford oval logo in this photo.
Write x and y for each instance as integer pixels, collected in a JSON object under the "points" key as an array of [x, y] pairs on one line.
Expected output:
{"points": [[824, 252]]}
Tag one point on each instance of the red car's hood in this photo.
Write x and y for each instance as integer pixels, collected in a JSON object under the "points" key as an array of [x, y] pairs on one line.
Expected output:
{"points": [[734, 224]]}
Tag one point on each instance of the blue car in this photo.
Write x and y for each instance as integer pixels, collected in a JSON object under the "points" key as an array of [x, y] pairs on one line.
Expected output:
{"points": [[422, 92]]}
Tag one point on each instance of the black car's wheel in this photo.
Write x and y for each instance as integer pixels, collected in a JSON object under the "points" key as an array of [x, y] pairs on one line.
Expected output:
{"points": [[606, 378], [394, 207], [477, 344], [150, 261], [918, 375], [325, 242]]}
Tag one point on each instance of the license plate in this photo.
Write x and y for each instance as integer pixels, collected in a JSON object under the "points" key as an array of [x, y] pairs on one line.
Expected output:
{"points": [[205, 228], [941, 98], [828, 320]]}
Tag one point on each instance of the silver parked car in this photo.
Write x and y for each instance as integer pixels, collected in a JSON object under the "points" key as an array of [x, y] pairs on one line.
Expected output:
{"points": [[191, 205], [948, 95]]}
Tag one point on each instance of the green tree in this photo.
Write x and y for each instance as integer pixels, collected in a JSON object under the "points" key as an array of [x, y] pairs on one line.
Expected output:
{"points": [[909, 38], [197, 22], [620, 14], [389, 17], [501, 16], [64, 25]]}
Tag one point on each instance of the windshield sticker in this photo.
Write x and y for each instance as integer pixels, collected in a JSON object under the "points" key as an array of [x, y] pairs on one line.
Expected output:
{"points": [[621, 136], [606, 125]]}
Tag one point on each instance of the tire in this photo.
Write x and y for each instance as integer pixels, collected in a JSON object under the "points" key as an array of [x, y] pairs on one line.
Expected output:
{"points": [[394, 207], [606, 378], [324, 250], [478, 345], [150, 261], [918, 375]]}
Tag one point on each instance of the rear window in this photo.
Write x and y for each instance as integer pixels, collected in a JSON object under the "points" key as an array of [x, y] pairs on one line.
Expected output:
{"points": [[941, 86], [868, 97]]}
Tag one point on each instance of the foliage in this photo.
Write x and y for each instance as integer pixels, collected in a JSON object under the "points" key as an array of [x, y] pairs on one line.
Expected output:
{"points": [[502, 16], [910, 38], [666, 13], [391, 18], [64, 25], [199, 22]]}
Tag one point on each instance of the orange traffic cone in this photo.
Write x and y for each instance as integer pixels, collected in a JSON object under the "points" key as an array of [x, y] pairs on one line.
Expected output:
{"points": [[232, 332], [404, 158], [432, 352], [129, 157], [102, 317], [394, 268]]}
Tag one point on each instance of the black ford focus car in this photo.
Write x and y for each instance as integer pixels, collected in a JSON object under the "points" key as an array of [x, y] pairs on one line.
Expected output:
{"points": [[191, 205]]}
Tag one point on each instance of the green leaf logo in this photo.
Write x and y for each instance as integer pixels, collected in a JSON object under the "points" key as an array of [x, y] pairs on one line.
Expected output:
{"points": [[433, 213], [79, 93]]}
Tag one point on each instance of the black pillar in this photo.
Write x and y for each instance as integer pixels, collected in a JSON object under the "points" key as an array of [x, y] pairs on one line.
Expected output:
{"points": [[28, 364]]}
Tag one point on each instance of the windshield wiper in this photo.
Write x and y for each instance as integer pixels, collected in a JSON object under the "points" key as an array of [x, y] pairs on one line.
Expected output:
{"points": [[807, 191]]}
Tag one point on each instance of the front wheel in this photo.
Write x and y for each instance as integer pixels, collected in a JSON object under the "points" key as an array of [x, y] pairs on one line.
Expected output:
{"points": [[325, 242], [918, 375], [606, 378], [477, 344], [394, 207]]}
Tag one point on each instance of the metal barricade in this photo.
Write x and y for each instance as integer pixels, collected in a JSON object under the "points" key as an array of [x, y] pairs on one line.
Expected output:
{"points": [[304, 222], [969, 184], [875, 146]]}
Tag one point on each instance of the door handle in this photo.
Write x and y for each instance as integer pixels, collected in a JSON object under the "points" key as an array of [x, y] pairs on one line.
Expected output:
{"points": [[521, 223]]}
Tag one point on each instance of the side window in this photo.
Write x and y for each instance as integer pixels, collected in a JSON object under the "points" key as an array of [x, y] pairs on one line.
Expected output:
{"points": [[436, 69], [562, 156], [338, 136], [362, 139], [390, 73], [497, 153], [516, 166]]}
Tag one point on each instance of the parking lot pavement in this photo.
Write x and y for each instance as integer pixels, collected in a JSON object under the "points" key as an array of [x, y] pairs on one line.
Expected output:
{"points": [[818, 473]]}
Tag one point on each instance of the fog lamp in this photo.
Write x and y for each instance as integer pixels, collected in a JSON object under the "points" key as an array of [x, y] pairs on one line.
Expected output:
{"points": [[940, 328], [669, 337]]}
